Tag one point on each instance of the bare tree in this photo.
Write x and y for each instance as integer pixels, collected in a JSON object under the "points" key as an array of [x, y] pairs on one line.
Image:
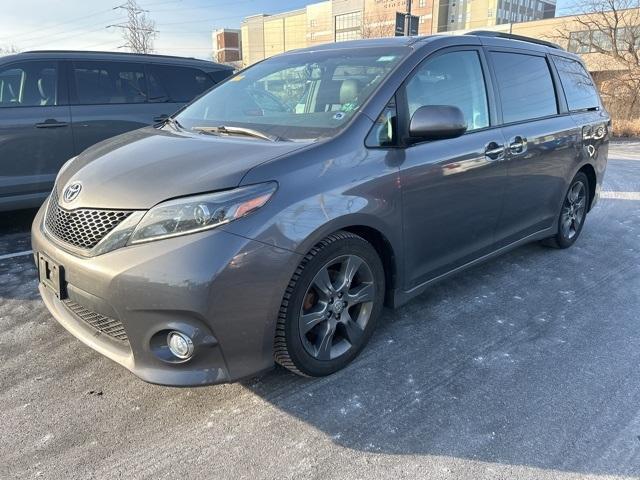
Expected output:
{"points": [[376, 26], [609, 30], [139, 31], [9, 50]]}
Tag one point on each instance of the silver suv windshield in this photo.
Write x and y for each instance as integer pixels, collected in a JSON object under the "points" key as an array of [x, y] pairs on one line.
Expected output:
{"points": [[302, 96]]}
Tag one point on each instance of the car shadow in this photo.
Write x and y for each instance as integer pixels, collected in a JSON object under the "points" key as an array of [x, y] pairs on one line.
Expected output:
{"points": [[18, 221], [510, 363], [14, 231]]}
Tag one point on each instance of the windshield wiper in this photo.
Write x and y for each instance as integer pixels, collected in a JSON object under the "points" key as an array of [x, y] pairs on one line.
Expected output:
{"points": [[229, 130], [173, 122]]}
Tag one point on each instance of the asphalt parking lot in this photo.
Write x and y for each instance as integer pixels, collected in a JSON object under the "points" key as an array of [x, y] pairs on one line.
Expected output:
{"points": [[523, 367]]}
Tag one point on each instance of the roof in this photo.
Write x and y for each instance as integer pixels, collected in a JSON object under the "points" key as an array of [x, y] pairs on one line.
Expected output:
{"points": [[484, 37], [81, 54], [369, 42]]}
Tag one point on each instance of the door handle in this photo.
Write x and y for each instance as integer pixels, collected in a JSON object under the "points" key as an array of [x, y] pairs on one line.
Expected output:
{"points": [[494, 151], [51, 123], [517, 145], [160, 118]]}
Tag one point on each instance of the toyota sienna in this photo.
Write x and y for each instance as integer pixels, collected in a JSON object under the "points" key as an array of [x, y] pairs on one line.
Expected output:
{"points": [[273, 217]]}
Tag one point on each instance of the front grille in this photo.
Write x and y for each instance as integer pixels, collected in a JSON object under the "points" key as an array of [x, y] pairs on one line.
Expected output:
{"points": [[107, 325], [82, 228]]}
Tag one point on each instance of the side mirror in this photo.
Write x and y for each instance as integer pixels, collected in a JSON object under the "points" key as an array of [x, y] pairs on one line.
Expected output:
{"points": [[436, 122]]}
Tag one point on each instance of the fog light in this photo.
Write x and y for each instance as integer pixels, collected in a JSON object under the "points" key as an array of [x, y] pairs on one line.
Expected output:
{"points": [[180, 345]]}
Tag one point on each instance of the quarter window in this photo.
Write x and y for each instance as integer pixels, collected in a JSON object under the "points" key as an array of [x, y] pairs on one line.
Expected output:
{"points": [[383, 133], [454, 79], [109, 82], [525, 85], [29, 84], [577, 84]]}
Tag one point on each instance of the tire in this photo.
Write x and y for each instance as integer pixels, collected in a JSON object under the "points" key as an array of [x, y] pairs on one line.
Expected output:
{"points": [[573, 213], [325, 319]]}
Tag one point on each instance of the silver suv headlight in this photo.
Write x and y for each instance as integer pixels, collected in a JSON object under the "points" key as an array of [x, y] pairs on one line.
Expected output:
{"points": [[200, 212]]}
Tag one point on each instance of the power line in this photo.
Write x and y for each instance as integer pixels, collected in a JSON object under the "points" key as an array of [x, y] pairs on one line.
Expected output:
{"points": [[73, 20], [65, 33]]}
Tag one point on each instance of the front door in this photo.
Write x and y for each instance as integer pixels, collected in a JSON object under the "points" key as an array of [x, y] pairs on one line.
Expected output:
{"points": [[35, 130], [452, 189]]}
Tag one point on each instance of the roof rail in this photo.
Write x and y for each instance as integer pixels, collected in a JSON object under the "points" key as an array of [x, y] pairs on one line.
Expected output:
{"points": [[511, 36], [115, 53]]}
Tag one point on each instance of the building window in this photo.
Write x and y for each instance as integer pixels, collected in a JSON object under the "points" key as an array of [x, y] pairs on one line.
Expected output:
{"points": [[348, 26], [348, 21], [422, 3], [313, 23], [348, 35], [580, 42], [490, 13]]}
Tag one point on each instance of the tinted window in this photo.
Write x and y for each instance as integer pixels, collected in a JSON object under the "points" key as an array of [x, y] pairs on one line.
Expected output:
{"points": [[109, 82], [577, 84], [176, 84], [525, 85], [451, 79], [29, 84]]}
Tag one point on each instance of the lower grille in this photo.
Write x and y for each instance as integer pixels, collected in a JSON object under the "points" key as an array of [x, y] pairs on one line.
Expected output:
{"points": [[82, 228], [107, 325]]}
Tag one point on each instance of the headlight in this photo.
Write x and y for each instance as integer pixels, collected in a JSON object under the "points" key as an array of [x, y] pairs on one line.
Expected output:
{"points": [[200, 212]]}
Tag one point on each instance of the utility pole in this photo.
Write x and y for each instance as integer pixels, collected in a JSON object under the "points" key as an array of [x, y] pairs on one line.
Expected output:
{"points": [[139, 30], [407, 20], [511, 14]]}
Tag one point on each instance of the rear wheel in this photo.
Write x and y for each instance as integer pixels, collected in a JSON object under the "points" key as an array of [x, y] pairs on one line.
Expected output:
{"points": [[572, 214], [331, 306]]}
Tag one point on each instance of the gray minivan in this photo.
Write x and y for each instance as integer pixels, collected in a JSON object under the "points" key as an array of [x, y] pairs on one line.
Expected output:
{"points": [[55, 104], [273, 217]]}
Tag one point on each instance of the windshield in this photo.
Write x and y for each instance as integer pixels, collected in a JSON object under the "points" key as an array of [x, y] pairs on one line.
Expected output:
{"points": [[295, 97]]}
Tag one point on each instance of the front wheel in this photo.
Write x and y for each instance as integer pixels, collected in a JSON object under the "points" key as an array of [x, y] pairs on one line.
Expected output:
{"points": [[331, 306], [572, 214]]}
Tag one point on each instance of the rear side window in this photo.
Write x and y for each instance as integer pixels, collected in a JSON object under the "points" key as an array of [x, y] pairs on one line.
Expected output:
{"points": [[525, 85], [29, 84], [577, 84], [109, 83], [176, 84]]}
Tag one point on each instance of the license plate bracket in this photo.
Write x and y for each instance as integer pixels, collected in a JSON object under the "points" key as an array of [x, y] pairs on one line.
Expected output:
{"points": [[51, 276]]}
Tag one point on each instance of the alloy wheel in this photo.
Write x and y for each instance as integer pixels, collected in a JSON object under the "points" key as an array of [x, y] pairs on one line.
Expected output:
{"points": [[337, 307], [573, 210]]}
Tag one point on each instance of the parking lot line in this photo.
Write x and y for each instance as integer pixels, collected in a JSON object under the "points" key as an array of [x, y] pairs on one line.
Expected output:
{"points": [[17, 254], [620, 195]]}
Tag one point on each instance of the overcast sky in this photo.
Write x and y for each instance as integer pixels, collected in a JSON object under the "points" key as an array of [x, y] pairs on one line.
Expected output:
{"points": [[184, 25]]}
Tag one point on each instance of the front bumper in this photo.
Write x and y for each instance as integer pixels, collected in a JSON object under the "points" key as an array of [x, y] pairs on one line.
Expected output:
{"points": [[222, 289]]}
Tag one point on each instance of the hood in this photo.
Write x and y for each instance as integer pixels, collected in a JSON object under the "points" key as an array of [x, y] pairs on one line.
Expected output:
{"points": [[139, 169]]}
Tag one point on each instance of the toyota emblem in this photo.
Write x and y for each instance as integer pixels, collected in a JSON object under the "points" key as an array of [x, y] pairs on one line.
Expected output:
{"points": [[72, 191]]}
